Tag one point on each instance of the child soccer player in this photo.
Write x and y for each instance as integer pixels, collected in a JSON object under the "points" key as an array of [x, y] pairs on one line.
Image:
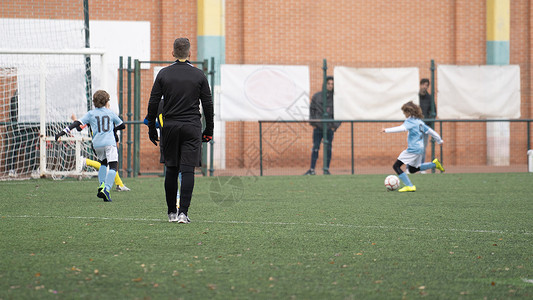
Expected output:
{"points": [[103, 124], [95, 164], [412, 156]]}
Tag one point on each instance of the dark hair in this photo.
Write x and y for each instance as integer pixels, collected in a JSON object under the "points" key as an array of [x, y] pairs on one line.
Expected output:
{"points": [[329, 78], [181, 48], [412, 110], [100, 98], [424, 80]]}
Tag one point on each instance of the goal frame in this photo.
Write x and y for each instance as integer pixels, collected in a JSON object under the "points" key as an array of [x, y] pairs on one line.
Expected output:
{"points": [[43, 139]]}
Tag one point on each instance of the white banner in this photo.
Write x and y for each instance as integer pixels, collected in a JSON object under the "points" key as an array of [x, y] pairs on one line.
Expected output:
{"points": [[370, 94], [264, 92], [485, 92]]}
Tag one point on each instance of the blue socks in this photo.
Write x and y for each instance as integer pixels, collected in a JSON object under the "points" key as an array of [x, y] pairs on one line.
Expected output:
{"points": [[102, 173], [179, 184], [106, 175], [405, 179], [426, 166], [110, 179]]}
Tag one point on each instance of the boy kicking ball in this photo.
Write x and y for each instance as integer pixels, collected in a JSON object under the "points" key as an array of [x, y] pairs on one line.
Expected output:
{"points": [[412, 156]]}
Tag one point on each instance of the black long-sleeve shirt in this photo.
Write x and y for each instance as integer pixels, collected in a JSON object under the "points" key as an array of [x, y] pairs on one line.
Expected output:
{"points": [[183, 87]]}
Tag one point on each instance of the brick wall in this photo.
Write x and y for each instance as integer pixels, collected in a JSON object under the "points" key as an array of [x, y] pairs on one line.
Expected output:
{"points": [[356, 33], [372, 34]]}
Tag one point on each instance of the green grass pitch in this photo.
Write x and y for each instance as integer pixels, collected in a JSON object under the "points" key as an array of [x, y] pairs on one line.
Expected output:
{"points": [[460, 236]]}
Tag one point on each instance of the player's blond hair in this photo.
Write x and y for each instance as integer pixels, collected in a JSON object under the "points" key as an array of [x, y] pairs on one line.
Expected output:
{"points": [[100, 98], [412, 110]]}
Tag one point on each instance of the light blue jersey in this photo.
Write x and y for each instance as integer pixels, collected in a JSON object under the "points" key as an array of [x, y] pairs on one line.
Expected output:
{"points": [[102, 122], [415, 138]]}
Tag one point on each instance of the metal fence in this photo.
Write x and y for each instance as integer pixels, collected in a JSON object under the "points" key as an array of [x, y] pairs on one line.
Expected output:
{"points": [[359, 147], [135, 81]]}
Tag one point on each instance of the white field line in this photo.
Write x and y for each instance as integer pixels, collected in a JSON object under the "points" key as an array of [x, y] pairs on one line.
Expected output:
{"points": [[281, 224]]}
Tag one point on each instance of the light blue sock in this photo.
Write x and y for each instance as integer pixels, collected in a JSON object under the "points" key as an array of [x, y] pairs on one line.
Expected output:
{"points": [[110, 179], [179, 185], [405, 179], [102, 172], [426, 166]]}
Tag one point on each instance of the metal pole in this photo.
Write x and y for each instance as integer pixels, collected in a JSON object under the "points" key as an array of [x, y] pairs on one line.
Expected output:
{"points": [[204, 145], [441, 155], [211, 144], [129, 114], [42, 115], [325, 115], [260, 148], [137, 117], [353, 159], [120, 109], [432, 113], [88, 77]]}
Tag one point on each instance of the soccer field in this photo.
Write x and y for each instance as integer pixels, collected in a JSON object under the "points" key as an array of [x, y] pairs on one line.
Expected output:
{"points": [[460, 236]]}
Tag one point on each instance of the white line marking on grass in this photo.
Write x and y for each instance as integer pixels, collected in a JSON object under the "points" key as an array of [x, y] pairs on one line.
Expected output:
{"points": [[364, 226], [280, 223], [527, 280], [87, 218]]}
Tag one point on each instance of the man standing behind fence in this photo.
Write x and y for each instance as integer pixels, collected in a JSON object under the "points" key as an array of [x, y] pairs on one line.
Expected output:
{"points": [[425, 104], [183, 86], [316, 111]]}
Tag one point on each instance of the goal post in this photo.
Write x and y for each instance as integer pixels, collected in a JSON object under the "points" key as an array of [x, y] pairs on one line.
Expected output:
{"points": [[40, 89]]}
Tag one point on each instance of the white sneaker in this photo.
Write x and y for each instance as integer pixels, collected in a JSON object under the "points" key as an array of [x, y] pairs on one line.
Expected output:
{"points": [[173, 217], [182, 218], [422, 172], [122, 188]]}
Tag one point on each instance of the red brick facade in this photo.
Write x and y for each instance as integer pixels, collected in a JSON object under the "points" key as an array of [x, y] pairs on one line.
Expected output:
{"points": [[356, 33], [370, 34]]}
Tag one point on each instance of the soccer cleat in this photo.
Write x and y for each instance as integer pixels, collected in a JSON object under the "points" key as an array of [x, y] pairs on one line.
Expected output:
{"points": [[310, 172], [438, 165], [326, 172], [182, 218], [122, 188], [407, 189], [173, 217], [104, 194], [100, 188]]}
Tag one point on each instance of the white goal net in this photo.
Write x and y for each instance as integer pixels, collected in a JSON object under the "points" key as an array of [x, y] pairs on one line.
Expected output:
{"points": [[46, 76], [40, 91]]}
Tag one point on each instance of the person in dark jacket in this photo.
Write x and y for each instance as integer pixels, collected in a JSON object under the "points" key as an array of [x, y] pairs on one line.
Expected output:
{"points": [[183, 88], [315, 113], [425, 104]]}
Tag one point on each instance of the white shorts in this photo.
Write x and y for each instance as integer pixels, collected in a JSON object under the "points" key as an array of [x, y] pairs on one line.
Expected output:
{"points": [[412, 159], [108, 152]]}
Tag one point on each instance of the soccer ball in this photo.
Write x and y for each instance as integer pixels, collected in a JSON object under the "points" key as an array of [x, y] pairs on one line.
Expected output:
{"points": [[392, 182]]}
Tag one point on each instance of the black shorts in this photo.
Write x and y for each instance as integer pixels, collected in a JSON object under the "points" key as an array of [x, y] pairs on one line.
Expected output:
{"points": [[182, 144]]}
